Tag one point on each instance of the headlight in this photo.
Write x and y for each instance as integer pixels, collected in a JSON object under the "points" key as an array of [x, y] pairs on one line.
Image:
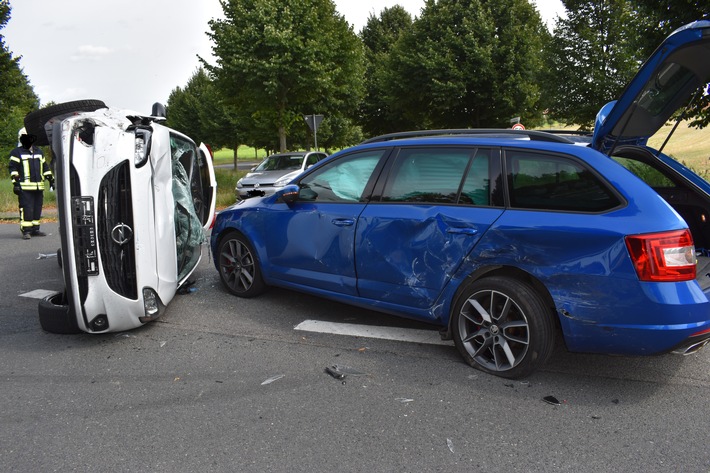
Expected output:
{"points": [[239, 184], [282, 182], [142, 149], [152, 305]]}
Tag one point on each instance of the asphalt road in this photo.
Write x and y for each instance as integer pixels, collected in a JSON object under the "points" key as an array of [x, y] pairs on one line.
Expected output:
{"points": [[190, 393]]}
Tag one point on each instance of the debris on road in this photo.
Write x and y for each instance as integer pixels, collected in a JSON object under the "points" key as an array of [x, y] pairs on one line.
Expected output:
{"points": [[272, 379]]}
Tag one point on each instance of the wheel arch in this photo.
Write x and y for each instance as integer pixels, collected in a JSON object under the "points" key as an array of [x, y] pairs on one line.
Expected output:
{"points": [[503, 271]]}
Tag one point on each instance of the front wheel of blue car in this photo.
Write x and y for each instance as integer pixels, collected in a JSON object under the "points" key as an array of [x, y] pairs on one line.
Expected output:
{"points": [[239, 267], [502, 326]]}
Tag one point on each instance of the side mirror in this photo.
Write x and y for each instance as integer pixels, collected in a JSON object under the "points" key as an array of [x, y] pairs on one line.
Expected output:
{"points": [[289, 194]]}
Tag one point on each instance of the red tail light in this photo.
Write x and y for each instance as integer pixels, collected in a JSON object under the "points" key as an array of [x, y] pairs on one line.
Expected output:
{"points": [[667, 256]]}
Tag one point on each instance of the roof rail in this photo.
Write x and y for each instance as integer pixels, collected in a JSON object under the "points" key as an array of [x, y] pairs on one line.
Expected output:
{"points": [[532, 135]]}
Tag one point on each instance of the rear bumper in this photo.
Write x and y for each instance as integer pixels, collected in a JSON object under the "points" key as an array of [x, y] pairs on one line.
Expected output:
{"points": [[640, 319]]}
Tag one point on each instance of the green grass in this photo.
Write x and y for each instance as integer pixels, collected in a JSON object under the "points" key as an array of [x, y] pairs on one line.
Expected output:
{"points": [[690, 146], [226, 181], [8, 200], [244, 153]]}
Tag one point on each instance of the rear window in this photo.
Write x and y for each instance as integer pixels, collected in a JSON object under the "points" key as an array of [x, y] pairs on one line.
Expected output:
{"points": [[544, 182]]}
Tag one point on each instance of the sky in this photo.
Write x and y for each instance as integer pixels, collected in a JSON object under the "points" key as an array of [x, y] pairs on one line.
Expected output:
{"points": [[133, 53]]}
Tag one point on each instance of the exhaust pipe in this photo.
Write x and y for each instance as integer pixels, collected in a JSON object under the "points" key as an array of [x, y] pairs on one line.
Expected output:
{"points": [[690, 349]]}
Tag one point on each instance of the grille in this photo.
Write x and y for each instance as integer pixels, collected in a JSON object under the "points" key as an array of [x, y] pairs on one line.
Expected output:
{"points": [[115, 231]]}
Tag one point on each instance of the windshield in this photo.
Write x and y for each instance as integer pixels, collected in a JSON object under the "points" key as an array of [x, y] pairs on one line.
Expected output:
{"points": [[281, 162]]}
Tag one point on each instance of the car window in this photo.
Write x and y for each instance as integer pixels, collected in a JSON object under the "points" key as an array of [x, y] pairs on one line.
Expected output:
{"points": [[650, 175], [343, 180], [435, 175], [281, 162], [538, 181], [477, 186], [187, 192], [312, 159]]}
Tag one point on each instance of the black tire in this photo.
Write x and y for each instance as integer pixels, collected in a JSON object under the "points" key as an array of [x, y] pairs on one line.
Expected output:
{"points": [[35, 121], [55, 315], [239, 268], [502, 326]]}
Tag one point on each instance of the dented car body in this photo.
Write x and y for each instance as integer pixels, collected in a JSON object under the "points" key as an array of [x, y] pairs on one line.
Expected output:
{"points": [[511, 242], [133, 198]]}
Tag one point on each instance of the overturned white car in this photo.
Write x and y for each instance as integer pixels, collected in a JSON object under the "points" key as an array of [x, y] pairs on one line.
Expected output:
{"points": [[133, 199]]}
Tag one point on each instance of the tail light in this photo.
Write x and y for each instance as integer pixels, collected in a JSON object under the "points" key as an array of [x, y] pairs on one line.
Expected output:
{"points": [[663, 257]]}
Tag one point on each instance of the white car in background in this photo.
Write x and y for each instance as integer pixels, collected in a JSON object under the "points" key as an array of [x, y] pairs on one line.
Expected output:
{"points": [[276, 171], [133, 199]]}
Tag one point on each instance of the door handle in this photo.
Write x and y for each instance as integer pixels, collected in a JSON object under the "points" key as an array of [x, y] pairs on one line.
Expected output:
{"points": [[343, 222], [461, 231]]}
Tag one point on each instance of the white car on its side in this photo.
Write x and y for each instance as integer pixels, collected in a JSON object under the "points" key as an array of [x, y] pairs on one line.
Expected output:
{"points": [[133, 199]]}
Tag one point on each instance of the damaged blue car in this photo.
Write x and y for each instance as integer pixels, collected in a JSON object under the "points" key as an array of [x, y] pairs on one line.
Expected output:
{"points": [[513, 242]]}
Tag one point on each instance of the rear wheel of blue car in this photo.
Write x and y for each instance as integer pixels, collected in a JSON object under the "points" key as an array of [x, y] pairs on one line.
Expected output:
{"points": [[502, 326], [239, 267]]}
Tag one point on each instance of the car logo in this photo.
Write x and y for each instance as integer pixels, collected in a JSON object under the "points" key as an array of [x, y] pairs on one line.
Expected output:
{"points": [[256, 186], [121, 234]]}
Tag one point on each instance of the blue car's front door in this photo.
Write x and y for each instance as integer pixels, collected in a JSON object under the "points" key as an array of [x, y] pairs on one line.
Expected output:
{"points": [[315, 244]]}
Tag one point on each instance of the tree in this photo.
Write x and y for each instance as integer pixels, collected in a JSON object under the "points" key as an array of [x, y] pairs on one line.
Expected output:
{"points": [[467, 63], [17, 97], [200, 111], [592, 56], [661, 17], [379, 36], [277, 60]]}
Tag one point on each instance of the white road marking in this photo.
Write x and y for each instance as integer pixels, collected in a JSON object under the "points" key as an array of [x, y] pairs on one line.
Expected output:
{"points": [[38, 294], [430, 337]]}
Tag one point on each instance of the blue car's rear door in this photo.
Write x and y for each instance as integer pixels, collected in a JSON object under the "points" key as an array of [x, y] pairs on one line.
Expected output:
{"points": [[435, 206]]}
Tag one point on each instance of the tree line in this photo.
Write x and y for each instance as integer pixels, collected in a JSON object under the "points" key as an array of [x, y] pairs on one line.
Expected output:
{"points": [[459, 64]]}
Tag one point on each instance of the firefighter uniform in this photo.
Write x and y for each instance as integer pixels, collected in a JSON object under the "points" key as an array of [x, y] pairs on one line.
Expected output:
{"points": [[28, 171]]}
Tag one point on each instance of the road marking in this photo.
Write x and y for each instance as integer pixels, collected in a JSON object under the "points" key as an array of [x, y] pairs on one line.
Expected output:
{"points": [[430, 337], [38, 294]]}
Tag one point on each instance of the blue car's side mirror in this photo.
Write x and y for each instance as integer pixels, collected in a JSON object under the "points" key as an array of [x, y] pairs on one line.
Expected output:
{"points": [[289, 194]]}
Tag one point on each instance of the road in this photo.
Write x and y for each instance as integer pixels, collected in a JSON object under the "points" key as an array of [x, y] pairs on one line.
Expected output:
{"points": [[226, 384]]}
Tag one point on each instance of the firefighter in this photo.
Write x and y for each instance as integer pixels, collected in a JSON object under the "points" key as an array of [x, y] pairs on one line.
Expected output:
{"points": [[28, 171]]}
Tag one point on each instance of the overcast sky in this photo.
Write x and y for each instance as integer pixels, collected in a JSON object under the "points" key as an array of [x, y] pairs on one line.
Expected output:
{"points": [[132, 53]]}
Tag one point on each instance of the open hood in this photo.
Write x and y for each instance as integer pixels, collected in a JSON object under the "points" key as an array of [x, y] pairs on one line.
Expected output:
{"points": [[678, 68]]}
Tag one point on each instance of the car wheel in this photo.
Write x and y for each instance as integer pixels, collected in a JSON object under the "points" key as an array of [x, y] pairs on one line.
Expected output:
{"points": [[55, 315], [503, 327], [239, 267], [35, 121]]}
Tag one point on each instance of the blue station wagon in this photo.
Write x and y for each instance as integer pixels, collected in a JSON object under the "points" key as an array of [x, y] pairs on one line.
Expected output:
{"points": [[511, 241]]}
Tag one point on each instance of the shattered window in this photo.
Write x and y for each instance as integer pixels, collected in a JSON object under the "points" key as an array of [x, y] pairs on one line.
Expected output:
{"points": [[189, 234], [341, 181]]}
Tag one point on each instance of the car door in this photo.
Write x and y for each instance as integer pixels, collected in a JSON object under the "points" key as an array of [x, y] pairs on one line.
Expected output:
{"points": [[435, 206], [206, 195], [315, 244]]}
